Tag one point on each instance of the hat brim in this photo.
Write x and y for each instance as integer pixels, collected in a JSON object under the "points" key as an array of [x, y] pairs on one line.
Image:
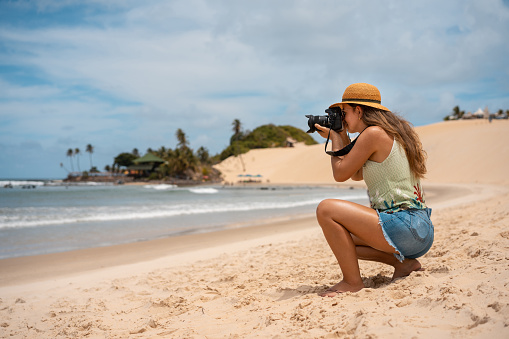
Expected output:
{"points": [[370, 104]]}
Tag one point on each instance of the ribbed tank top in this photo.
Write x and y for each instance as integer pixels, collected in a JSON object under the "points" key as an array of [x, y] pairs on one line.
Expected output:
{"points": [[391, 185]]}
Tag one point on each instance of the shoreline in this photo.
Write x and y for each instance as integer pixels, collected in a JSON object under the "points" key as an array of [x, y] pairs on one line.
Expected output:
{"points": [[36, 268], [30, 269], [155, 212]]}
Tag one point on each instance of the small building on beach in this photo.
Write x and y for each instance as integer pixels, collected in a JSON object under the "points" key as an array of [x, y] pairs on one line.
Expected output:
{"points": [[145, 165]]}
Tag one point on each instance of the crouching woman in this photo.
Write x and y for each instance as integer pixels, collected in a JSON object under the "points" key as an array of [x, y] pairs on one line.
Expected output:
{"points": [[388, 156]]}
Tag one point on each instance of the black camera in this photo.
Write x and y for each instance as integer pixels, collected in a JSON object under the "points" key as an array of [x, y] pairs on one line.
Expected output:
{"points": [[333, 120]]}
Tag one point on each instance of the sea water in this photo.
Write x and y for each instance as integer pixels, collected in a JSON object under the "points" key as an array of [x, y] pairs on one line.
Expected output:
{"points": [[38, 217]]}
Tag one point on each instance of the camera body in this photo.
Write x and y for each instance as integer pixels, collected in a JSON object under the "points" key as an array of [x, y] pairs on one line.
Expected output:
{"points": [[333, 120]]}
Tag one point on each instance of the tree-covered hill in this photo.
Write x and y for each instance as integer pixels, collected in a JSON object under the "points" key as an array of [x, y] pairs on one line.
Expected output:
{"points": [[265, 136], [183, 163]]}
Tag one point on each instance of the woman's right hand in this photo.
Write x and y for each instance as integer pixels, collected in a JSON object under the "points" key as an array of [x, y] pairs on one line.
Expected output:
{"points": [[323, 131], [338, 139]]}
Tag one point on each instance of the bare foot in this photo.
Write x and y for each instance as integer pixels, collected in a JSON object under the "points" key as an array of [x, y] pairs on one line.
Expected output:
{"points": [[341, 287], [405, 268]]}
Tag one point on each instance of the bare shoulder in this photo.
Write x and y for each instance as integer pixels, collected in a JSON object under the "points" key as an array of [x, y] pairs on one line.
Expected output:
{"points": [[374, 133], [377, 141]]}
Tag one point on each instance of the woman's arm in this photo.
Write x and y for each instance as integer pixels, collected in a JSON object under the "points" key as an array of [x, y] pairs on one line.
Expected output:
{"points": [[372, 140], [358, 176]]}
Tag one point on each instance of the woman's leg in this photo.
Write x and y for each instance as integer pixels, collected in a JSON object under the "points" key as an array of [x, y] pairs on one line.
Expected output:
{"points": [[401, 269], [340, 220]]}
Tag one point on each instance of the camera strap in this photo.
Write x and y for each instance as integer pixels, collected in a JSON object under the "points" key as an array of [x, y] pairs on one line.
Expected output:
{"points": [[345, 150]]}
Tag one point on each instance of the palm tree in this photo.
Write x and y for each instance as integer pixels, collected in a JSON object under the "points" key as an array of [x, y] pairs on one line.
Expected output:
{"points": [[161, 152], [90, 150], [203, 155], [70, 153], [182, 158], [181, 137], [237, 128], [457, 112], [77, 153]]}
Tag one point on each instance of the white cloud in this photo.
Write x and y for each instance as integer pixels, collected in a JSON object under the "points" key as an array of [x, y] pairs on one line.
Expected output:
{"points": [[130, 73]]}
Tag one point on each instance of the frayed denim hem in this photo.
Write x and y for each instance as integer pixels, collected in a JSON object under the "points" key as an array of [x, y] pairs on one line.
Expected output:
{"points": [[398, 255]]}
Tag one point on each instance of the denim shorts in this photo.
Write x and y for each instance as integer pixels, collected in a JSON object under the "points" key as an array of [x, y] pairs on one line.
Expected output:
{"points": [[410, 232]]}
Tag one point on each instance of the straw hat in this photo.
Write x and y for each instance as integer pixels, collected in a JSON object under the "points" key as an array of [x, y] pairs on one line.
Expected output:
{"points": [[362, 94]]}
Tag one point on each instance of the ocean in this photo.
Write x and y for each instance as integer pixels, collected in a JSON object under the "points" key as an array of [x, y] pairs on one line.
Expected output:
{"points": [[38, 217]]}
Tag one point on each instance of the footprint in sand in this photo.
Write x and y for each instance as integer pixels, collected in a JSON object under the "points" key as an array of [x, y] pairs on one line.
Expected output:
{"points": [[440, 271], [283, 294]]}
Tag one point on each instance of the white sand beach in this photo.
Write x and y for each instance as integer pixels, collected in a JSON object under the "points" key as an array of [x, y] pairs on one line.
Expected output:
{"points": [[263, 281]]}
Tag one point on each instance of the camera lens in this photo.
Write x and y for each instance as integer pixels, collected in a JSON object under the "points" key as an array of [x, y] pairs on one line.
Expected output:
{"points": [[321, 120]]}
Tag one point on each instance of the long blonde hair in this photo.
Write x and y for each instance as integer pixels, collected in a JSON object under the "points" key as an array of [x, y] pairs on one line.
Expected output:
{"points": [[402, 131]]}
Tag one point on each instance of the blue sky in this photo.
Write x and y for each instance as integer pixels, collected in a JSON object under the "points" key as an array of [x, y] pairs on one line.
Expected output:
{"points": [[127, 74]]}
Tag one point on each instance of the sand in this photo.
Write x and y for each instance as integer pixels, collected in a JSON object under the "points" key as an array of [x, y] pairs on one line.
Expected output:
{"points": [[263, 282], [466, 151]]}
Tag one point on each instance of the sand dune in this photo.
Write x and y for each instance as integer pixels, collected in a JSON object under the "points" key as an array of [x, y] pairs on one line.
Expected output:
{"points": [[469, 151]]}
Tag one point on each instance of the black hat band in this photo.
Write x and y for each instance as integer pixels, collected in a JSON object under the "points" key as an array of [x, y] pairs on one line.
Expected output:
{"points": [[363, 100]]}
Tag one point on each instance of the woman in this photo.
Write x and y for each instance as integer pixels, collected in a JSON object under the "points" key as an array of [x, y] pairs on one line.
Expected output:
{"points": [[388, 156]]}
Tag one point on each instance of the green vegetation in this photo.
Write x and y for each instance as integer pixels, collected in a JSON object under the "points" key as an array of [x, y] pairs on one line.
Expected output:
{"points": [[90, 150], [265, 136], [124, 160], [457, 114], [183, 163], [76, 153]]}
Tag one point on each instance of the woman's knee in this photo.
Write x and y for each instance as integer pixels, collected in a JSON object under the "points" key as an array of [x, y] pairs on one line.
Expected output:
{"points": [[322, 208], [327, 208]]}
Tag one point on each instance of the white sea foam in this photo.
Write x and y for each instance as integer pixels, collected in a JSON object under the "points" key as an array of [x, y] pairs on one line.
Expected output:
{"points": [[30, 217], [88, 217], [203, 190], [3, 183], [161, 187]]}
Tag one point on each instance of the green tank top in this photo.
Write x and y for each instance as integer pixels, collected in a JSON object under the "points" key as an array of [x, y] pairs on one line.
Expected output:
{"points": [[391, 185]]}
